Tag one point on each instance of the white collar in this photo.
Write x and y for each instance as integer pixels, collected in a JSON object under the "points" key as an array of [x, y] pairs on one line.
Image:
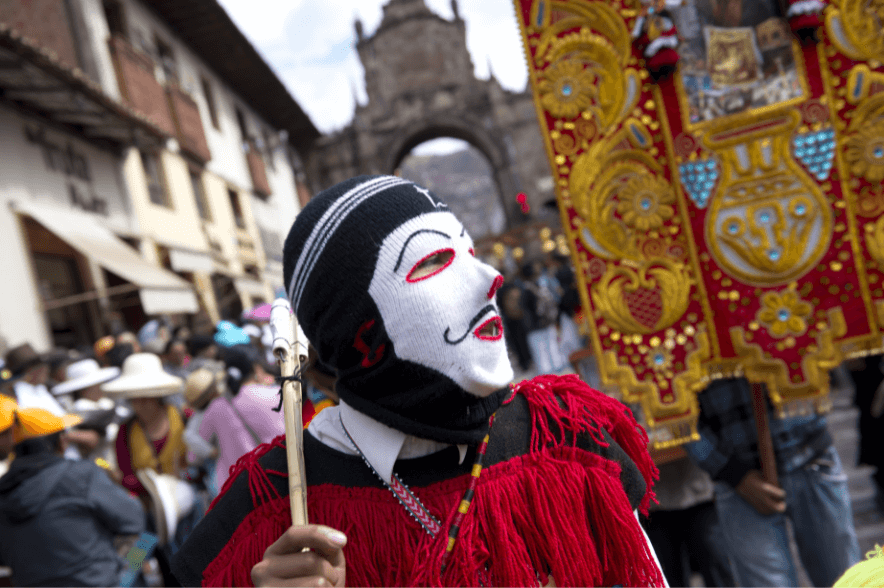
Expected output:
{"points": [[379, 444]]}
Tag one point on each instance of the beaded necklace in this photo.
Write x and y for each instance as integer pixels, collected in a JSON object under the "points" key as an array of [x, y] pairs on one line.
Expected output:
{"points": [[415, 507]]}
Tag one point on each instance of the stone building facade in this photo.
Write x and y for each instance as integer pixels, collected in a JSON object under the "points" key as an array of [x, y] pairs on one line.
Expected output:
{"points": [[421, 86]]}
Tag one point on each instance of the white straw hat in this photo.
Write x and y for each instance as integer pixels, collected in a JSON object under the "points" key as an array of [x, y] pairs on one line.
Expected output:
{"points": [[85, 373], [143, 376], [171, 500]]}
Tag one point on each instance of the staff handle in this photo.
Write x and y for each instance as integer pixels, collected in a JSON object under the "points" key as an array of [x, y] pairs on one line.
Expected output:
{"points": [[283, 327]]}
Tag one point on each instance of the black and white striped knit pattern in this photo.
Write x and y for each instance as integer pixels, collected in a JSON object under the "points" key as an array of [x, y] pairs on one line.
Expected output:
{"points": [[325, 229]]}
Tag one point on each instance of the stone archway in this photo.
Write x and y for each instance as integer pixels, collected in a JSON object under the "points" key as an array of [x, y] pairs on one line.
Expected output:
{"points": [[442, 125], [421, 86]]}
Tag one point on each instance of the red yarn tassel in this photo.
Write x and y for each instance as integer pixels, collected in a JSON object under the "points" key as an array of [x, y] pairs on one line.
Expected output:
{"points": [[570, 404]]}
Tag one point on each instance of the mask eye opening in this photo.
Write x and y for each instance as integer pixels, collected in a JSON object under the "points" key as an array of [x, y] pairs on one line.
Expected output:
{"points": [[430, 265]]}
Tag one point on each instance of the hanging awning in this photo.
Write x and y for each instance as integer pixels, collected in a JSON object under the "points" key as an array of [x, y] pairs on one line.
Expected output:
{"points": [[251, 287], [183, 260], [160, 290]]}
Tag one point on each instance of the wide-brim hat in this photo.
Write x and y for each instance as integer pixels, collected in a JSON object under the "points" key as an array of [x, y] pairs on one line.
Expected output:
{"points": [[200, 382], [143, 377], [83, 374], [21, 358], [39, 422], [171, 500]]}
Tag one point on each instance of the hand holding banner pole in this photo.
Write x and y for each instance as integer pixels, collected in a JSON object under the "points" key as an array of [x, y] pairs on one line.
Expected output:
{"points": [[288, 351]]}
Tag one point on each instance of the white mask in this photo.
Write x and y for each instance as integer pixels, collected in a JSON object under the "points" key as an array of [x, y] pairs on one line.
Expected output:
{"points": [[437, 303]]}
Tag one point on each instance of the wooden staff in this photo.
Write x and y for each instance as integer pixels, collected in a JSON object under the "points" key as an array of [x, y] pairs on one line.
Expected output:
{"points": [[284, 328], [765, 443]]}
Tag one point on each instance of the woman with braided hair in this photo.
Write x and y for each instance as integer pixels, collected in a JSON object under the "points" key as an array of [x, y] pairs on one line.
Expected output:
{"points": [[433, 469]]}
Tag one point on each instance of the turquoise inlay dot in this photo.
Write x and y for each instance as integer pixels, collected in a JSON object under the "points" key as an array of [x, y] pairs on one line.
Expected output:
{"points": [[783, 314], [733, 228], [566, 90], [764, 218], [645, 203], [800, 209], [659, 359], [879, 151], [710, 165], [773, 254]]}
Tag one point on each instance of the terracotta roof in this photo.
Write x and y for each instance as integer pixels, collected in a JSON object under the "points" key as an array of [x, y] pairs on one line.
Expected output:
{"points": [[207, 28]]}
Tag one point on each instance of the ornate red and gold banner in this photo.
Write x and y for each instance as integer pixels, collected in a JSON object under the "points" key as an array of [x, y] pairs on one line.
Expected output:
{"points": [[724, 219]]}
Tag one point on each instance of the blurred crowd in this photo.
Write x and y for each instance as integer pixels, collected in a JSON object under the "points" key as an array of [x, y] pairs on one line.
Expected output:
{"points": [[110, 455], [539, 304]]}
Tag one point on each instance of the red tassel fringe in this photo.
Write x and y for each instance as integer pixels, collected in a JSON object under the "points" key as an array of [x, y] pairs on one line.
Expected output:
{"points": [[569, 403], [557, 511]]}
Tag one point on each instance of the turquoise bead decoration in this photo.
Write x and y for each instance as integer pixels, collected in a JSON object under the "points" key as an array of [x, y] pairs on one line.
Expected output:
{"points": [[816, 151], [698, 179]]}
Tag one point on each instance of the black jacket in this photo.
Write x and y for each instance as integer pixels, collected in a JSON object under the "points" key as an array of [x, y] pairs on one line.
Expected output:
{"points": [[58, 519]]}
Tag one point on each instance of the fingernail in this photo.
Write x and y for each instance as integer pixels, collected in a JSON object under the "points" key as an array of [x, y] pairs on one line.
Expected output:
{"points": [[336, 537]]}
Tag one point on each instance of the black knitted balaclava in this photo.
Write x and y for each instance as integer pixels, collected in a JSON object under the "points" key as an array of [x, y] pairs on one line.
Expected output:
{"points": [[385, 285]]}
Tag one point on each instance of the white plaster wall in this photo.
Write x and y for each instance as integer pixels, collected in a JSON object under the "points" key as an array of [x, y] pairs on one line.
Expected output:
{"points": [[25, 177]]}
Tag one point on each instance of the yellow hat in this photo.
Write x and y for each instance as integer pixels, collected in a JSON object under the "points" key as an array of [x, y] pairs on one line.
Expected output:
{"points": [[7, 412], [37, 422], [869, 572]]}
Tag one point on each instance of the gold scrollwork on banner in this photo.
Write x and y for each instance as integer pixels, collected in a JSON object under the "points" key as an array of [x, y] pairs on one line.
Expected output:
{"points": [[643, 300], [584, 72], [855, 27], [812, 392], [865, 140], [771, 223], [875, 239]]}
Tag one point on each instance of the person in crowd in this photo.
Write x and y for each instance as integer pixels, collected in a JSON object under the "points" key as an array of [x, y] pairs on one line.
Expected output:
{"points": [[117, 355], [541, 313], [81, 394], [175, 358], [129, 338], [30, 372], [867, 378], [569, 304], [243, 418], [201, 387], [752, 513], [432, 469], [59, 518], [154, 438], [202, 348], [512, 310], [153, 336], [683, 526], [101, 347], [58, 361]]}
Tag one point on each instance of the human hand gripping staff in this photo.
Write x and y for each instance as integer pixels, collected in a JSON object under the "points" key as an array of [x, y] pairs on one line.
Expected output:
{"points": [[305, 555]]}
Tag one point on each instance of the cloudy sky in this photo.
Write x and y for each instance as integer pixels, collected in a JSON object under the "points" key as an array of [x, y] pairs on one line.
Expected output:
{"points": [[311, 46]]}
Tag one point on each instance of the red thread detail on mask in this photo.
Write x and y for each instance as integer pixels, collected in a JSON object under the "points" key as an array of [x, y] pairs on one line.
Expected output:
{"points": [[495, 321], [368, 358], [408, 278], [472, 252], [495, 286]]}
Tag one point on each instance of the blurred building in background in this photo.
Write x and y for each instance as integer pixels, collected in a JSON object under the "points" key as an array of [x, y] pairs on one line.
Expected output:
{"points": [[421, 85], [150, 163]]}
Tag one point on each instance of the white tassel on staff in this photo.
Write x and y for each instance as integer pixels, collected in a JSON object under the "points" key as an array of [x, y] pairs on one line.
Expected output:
{"points": [[289, 351]]}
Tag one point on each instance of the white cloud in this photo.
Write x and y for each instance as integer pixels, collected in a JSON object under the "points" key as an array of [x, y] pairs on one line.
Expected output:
{"points": [[310, 45]]}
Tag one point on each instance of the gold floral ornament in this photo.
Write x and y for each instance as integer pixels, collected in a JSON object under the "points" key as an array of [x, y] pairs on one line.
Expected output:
{"points": [[659, 359], [644, 203], [567, 88], [784, 313], [865, 152]]}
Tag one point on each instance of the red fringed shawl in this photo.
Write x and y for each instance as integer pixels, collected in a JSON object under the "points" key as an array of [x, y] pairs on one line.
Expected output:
{"points": [[558, 510]]}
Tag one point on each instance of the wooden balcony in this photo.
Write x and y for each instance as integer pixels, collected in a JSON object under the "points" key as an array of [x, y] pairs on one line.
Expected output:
{"points": [[139, 87], [188, 124], [258, 171]]}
